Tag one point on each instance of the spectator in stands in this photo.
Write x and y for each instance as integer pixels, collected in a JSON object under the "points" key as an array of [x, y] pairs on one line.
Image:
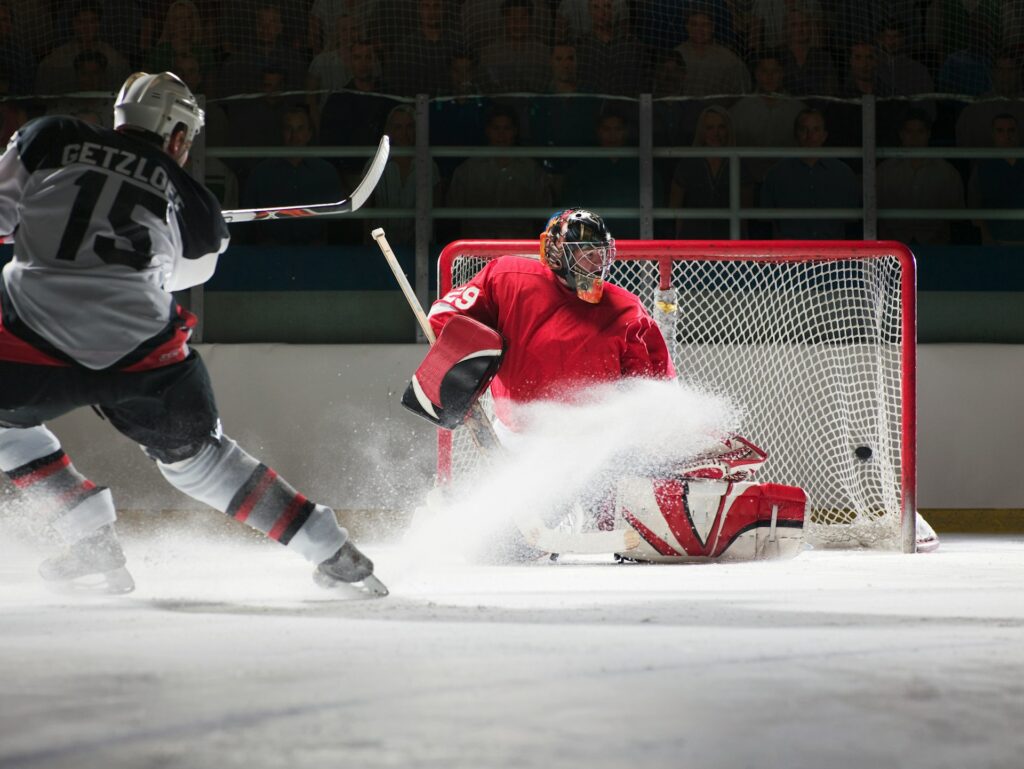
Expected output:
{"points": [[418, 63], [482, 22], [32, 27], [280, 181], [256, 122], [704, 182], [917, 183], [862, 76], [123, 23], [765, 119], [90, 69], [610, 59], [579, 18], [673, 118], [952, 25], [606, 182], [711, 69], [499, 181], [974, 125], [355, 116], [767, 22], [459, 121], [565, 118], [999, 183], [397, 187], [808, 68], [267, 47], [16, 62], [967, 71], [56, 72], [182, 34], [900, 74], [324, 16], [330, 70], [808, 183], [517, 61], [863, 79]]}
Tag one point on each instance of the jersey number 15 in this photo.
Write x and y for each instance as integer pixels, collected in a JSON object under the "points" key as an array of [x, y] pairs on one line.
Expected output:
{"points": [[90, 184]]}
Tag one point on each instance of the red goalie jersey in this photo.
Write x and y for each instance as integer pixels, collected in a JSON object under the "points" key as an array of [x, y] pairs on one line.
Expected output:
{"points": [[555, 343]]}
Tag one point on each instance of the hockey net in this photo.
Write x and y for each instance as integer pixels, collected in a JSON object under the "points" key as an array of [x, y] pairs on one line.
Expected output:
{"points": [[814, 341]]}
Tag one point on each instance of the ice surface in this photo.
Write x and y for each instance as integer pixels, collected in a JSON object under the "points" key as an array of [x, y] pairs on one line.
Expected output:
{"points": [[228, 656]]}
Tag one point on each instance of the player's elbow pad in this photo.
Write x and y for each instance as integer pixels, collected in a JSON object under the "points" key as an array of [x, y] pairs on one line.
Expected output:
{"points": [[191, 272]]}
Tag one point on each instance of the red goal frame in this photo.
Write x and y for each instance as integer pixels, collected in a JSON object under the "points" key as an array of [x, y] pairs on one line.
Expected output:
{"points": [[665, 252]]}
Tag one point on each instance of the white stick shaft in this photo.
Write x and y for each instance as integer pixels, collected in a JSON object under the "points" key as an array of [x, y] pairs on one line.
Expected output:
{"points": [[410, 295]]}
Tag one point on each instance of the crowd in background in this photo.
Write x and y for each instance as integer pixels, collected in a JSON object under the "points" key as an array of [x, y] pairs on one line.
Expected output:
{"points": [[768, 73]]}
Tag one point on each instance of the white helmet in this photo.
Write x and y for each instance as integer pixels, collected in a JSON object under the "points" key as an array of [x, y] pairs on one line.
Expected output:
{"points": [[157, 103]]}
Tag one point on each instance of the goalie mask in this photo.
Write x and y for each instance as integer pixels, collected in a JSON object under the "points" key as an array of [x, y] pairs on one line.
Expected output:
{"points": [[578, 248]]}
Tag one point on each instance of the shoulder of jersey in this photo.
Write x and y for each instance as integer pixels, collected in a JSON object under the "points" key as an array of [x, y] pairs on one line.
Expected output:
{"points": [[514, 263], [41, 143]]}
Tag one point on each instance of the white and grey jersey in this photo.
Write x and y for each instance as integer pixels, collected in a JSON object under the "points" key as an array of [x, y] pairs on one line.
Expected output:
{"points": [[107, 225]]}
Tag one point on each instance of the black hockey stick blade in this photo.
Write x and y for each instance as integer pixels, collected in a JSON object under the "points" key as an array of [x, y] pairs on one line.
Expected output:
{"points": [[345, 206]]}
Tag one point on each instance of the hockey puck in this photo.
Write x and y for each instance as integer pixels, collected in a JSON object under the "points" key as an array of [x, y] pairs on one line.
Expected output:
{"points": [[863, 453]]}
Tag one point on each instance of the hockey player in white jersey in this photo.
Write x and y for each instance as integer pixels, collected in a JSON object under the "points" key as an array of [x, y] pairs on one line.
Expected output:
{"points": [[108, 225]]}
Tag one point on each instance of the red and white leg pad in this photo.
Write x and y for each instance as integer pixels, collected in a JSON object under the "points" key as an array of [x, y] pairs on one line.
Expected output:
{"points": [[692, 520]]}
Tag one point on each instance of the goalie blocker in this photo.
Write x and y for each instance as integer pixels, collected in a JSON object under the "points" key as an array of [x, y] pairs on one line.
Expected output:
{"points": [[455, 372]]}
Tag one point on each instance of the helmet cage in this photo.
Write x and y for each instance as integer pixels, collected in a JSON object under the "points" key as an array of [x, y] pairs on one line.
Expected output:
{"points": [[587, 264]]}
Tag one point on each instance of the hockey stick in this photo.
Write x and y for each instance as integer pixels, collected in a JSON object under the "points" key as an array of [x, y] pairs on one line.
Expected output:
{"points": [[481, 430], [344, 206]]}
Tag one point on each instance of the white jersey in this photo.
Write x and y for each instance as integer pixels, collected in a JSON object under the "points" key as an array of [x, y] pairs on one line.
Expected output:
{"points": [[107, 226]]}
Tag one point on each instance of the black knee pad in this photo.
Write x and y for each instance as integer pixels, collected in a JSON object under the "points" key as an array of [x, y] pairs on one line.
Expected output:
{"points": [[171, 454]]}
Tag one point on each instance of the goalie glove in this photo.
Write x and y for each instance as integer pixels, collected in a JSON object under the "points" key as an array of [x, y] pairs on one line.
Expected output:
{"points": [[455, 372], [734, 459]]}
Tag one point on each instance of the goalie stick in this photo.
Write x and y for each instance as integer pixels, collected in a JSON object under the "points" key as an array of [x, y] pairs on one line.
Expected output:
{"points": [[344, 206]]}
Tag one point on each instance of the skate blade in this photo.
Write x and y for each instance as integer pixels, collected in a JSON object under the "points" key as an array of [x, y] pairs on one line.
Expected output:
{"points": [[115, 582], [371, 587]]}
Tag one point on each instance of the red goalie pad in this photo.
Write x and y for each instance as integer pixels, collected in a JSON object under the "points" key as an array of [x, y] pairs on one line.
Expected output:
{"points": [[699, 520], [456, 371]]}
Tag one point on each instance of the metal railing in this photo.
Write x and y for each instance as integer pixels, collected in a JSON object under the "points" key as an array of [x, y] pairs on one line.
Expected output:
{"points": [[646, 212]]}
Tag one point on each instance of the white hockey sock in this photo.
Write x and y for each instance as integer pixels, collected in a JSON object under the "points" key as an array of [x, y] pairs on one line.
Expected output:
{"points": [[34, 461], [228, 479]]}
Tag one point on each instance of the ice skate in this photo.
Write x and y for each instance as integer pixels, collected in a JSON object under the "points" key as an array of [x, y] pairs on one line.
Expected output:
{"points": [[95, 564], [349, 567], [927, 539]]}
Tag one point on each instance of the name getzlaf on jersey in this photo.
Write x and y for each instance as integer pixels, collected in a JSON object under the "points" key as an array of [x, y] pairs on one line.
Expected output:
{"points": [[107, 226]]}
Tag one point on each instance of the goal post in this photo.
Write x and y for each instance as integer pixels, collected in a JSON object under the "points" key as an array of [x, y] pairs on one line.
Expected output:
{"points": [[815, 341]]}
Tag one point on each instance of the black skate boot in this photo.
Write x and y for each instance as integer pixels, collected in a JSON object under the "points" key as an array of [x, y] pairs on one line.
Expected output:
{"points": [[94, 564], [349, 566]]}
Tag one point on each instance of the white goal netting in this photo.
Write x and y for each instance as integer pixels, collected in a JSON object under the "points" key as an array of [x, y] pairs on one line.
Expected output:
{"points": [[814, 342]]}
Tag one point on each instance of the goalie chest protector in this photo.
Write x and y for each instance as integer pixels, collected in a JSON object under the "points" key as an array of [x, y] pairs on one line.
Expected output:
{"points": [[680, 520], [455, 372]]}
